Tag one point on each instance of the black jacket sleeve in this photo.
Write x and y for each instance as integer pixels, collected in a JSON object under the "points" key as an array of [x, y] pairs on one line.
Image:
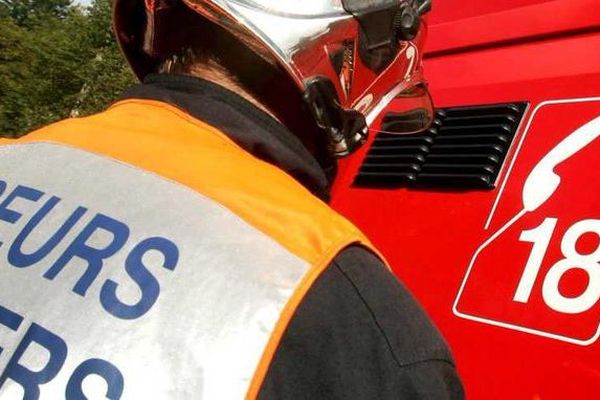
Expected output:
{"points": [[359, 334]]}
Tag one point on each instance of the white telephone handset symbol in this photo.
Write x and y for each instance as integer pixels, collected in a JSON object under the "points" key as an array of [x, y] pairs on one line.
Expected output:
{"points": [[542, 182]]}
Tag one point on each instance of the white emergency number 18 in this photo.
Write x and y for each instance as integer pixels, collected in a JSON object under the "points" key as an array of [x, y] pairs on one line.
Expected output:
{"points": [[590, 263]]}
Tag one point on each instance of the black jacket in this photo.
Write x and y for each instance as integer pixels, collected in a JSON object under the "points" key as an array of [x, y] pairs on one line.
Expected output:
{"points": [[359, 334]]}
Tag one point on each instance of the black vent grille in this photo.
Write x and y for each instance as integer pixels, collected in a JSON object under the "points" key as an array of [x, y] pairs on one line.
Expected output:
{"points": [[464, 149]]}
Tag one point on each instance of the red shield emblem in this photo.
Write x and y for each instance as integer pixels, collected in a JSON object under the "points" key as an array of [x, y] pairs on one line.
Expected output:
{"points": [[539, 270]]}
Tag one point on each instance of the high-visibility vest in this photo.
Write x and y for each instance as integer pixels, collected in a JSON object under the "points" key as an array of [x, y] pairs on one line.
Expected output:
{"points": [[146, 256]]}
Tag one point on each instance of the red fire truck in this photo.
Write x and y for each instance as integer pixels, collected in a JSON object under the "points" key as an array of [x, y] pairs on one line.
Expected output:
{"points": [[492, 216]]}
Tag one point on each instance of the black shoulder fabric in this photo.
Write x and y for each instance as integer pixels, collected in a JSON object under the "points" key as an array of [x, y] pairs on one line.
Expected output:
{"points": [[360, 335], [251, 128]]}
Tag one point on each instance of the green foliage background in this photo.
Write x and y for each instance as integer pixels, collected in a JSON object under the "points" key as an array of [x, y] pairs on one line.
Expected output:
{"points": [[57, 60]]}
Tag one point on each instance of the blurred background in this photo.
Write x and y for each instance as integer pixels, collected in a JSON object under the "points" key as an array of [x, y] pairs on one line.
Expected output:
{"points": [[58, 59]]}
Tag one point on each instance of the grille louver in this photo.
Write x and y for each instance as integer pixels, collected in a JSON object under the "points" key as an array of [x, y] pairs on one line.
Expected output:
{"points": [[464, 149]]}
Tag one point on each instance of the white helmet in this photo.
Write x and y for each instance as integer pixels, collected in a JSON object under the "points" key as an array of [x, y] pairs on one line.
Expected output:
{"points": [[348, 58]]}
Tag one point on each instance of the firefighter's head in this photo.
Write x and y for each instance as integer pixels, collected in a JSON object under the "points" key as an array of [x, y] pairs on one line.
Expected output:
{"points": [[324, 68]]}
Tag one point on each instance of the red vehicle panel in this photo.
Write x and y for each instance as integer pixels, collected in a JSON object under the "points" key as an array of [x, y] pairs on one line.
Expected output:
{"points": [[510, 275]]}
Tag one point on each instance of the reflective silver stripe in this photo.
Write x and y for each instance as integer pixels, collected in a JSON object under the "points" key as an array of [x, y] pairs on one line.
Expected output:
{"points": [[205, 334]]}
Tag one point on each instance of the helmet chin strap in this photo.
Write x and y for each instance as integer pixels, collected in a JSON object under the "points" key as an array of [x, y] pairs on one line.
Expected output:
{"points": [[346, 128]]}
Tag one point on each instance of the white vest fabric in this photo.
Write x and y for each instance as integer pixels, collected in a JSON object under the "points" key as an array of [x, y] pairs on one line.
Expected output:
{"points": [[118, 283]]}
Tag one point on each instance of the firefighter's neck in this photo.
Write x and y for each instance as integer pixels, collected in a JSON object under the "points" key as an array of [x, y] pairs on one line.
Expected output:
{"points": [[215, 73]]}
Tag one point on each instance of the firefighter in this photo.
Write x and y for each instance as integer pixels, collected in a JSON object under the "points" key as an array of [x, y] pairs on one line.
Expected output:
{"points": [[179, 244]]}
